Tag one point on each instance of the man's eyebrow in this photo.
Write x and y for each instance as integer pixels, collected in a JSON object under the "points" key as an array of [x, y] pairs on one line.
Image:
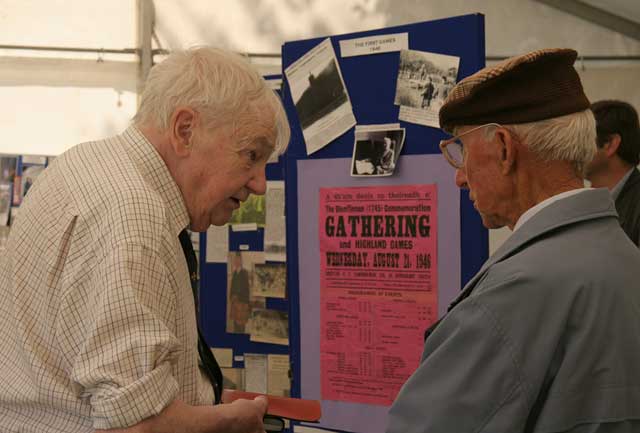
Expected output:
{"points": [[264, 144]]}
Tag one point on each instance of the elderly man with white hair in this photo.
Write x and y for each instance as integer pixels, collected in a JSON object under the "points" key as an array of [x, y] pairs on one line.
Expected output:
{"points": [[98, 329], [546, 336]]}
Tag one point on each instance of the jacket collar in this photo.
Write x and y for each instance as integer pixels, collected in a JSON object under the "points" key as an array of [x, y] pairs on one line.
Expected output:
{"points": [[633, 179], [586, 205]]}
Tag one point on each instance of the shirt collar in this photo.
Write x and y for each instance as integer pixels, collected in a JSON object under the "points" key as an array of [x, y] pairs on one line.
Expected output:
{"points": [[153, 168], [544, 203], [615, 191]]}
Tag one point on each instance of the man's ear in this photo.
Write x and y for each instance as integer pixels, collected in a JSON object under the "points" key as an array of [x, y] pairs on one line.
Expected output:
{"points": [[182, 127], [507, 150], [612, 145]]}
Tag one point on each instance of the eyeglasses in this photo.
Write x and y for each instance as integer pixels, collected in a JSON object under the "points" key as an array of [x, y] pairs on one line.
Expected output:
{"points": [[453, 149]]}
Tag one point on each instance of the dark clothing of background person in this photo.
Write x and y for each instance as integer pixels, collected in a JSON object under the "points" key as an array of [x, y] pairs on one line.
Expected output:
{"points": [[628, 207]]}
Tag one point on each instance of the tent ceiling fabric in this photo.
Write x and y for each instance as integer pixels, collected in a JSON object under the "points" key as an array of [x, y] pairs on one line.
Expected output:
{"points": [[629, 9], [597, 15], [68, 23], [54, 100], [45, 120], [52, 72]]}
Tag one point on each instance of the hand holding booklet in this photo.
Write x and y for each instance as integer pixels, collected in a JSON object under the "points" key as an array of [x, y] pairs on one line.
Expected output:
{"points": [[296, 409]]}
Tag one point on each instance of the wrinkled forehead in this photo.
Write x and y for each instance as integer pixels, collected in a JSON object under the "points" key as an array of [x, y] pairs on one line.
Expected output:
{"points": [[257, 128]]}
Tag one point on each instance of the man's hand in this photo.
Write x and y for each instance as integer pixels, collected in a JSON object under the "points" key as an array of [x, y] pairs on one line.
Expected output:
{"points": [[245, 415], [241, 416]]}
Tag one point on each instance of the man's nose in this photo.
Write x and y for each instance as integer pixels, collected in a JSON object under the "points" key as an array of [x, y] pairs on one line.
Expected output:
{"points": [[258, 183], [461, 178]]}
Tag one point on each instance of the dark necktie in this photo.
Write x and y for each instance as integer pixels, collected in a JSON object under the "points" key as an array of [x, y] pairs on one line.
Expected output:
{"points": [[207, 360]]}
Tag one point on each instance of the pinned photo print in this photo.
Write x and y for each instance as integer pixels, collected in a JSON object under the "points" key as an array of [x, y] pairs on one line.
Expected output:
{"points": [[424, 82], [269, 326], [240, 301], [270, 280], [320, 96], [376, 152]]}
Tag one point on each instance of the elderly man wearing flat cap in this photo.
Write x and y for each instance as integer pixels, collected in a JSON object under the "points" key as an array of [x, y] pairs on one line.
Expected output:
{"points": [[546, 337]]}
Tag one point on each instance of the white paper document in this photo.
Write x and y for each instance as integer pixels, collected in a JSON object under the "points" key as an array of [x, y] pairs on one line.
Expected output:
{"points": [[255, 372], [374, 44], [217, 244], [278, 380], [275, 243]]}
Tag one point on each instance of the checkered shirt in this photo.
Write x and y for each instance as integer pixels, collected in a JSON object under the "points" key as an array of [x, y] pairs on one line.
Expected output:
{"points": [[97, 321]]}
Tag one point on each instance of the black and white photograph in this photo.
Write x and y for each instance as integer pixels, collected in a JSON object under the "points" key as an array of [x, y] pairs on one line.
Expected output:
{"points": [[323, 94], [320, 96], [275, 238], [240, 301], [269, 326], [270, 280], [424, 82], [376, 152]]}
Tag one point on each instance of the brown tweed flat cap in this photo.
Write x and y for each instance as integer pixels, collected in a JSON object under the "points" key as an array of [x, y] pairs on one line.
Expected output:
{"points": [[535, 86]]}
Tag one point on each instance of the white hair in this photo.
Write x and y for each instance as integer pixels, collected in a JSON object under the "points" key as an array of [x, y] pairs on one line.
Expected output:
{"points": [[566, 138], [222, 87]]}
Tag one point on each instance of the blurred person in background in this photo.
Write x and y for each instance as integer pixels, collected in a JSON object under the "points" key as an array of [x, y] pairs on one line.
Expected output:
{"points": [[614, 166]]}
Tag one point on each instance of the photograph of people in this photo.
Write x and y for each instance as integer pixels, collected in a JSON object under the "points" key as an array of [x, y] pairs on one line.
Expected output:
{"points": [[239, 289], [376, 152], [424, 81]]}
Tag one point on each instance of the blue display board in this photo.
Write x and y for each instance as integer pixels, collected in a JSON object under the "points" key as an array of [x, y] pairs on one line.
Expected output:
{"points": [[371, 84]]}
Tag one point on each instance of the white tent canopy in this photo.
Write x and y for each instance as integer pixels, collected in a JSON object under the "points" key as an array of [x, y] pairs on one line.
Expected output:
{"points": [[55, 99]]}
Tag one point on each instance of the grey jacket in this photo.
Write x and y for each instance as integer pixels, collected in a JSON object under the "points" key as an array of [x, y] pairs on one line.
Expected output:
{"points": [[547, 341]]}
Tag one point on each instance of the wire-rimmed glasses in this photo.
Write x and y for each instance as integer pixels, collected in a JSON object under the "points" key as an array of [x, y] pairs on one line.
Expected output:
{"points": [[453, 149]]}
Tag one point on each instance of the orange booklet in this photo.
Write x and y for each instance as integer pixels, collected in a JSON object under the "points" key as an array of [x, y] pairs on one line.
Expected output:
{"points": [[296, 409]]}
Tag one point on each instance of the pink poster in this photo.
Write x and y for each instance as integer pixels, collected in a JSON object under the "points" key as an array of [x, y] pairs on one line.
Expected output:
{"points": [[378, 282]]}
